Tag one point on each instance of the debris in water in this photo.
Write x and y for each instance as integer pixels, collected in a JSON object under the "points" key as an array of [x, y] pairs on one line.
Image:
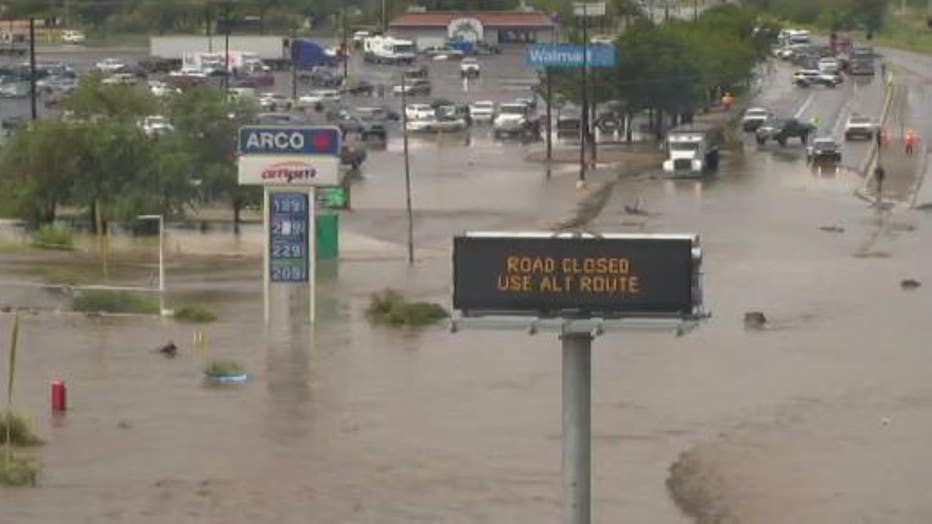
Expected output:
{"points": [[910, 283], [885, 421], [169, 350], [754, 320], [832, 229], [124, 424]]}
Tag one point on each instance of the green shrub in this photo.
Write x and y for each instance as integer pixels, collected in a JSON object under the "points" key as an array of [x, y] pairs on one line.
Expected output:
{"points": [[390, 307], [20, 430], [101, 301], [53, 237], [195, 313], [18, 471], [225, 368]]}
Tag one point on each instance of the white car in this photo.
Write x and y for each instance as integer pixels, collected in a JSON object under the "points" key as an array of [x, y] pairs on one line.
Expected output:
{"points": [[109, 65], [419, 112], [275, 102], [469, 68], [239, 93], [447, 124], [482, 111], [120, 79], [860, 126], [188, 72], [72, 37], [156, 125], [754, 117], [317, 98], [359, 36], [160, 89], [828, 65]]}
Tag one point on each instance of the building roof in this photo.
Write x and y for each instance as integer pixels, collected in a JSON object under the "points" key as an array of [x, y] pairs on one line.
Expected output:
{"points": [[487, 18]]}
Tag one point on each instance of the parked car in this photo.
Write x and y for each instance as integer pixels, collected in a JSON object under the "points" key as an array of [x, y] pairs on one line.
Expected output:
{"points": [[70, 36], [156, 125], [121, 79], [109, 65], [454, 111], [419, 111], [482, 111], [515, 119], [352, 155], [275, 102], [469, 68], [811, 77], [414, 88], [413, 73], [754, 117], [829, 65], [318, 98], [321, 77], [823, 149], [782, 130], [568, 125], [860, 126], [378, 113]]}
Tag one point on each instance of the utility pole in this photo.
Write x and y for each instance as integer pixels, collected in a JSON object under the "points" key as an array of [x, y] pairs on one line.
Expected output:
{"points": [[226, 52], [404, 134], [32, 68], [345, 47], [210, 38], [382, 28], [584, 116], [549, 117], [294, 65]]}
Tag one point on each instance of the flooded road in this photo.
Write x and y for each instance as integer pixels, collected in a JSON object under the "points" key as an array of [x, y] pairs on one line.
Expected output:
{"points": [[350, 422]]}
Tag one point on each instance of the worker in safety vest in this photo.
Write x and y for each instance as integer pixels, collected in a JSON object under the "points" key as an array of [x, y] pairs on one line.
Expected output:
{"points": [[911, 139], [728, 101]]}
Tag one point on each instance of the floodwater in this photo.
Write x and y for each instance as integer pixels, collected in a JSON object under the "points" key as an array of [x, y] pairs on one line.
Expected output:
{"points": [[353, 423]]}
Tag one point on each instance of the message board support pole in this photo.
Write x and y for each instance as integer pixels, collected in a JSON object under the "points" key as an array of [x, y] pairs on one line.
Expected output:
{"points": [[312, 253], [266, 247], [577, 426]]}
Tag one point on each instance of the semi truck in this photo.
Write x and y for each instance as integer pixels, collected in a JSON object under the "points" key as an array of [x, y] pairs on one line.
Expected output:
{"points": [[694, 148], [275, 51], [388, 50], [306, 54], [861, 61]]}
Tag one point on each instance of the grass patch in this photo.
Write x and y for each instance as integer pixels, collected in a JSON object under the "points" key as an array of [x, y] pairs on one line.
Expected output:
{"points": [[53, 237], [19, 471], [20, 430], [195, 313], [65, 276], [100, 301], [390, 307], [225, 368]]}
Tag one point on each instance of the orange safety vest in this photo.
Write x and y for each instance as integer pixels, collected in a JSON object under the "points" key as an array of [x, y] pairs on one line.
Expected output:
{"points": [[911, 139]]}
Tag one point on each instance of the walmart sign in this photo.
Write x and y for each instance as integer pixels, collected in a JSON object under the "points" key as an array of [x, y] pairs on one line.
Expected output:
{"points": [[569, 56]]}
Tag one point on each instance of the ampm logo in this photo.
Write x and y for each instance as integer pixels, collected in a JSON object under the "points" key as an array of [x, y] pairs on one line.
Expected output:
{"points": [[290, 172], [280, 140], [571, 56]]}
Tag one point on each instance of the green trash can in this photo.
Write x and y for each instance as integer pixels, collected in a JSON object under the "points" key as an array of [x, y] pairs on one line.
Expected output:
{"points": [[328, 236]]}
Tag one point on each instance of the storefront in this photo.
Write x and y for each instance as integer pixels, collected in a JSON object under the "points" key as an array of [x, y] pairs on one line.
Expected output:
{"points": [[497, 27]]}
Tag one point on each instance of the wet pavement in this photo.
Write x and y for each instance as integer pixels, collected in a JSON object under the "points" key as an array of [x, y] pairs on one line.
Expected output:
{"points": [[350, 422]]}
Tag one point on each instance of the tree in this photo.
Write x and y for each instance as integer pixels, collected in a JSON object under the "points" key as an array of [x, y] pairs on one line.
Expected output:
{"points": [[208, 124]]}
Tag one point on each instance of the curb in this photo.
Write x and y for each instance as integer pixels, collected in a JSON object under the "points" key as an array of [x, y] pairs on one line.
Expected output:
{"points": [[868, 163]]}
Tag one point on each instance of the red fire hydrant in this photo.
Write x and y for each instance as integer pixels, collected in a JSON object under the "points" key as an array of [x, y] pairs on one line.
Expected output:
{"points": [[59, 395]]}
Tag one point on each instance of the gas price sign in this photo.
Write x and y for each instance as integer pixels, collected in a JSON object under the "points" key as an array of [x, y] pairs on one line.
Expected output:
{"points": [[288, 237]]}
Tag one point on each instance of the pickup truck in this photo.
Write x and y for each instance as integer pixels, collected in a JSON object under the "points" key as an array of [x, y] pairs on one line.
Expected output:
{"points": [[782, 130]]}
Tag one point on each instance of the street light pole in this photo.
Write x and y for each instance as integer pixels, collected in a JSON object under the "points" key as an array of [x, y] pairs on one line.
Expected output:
{"points": [[404, 134], [161, 220], [32, 67], [584, 116], [345, 47]]}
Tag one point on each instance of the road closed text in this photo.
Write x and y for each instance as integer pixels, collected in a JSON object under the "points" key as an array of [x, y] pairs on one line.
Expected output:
{"points": [[591, 275]]}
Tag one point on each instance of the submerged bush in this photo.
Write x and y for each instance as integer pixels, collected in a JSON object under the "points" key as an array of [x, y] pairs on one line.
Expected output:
{"points": [[225, 368], [390, 307], [195, 313], [20, 430], [53, 237], [18, 471], [101, 301]]}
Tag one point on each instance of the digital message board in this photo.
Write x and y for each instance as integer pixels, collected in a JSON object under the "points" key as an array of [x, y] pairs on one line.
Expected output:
{"points": [[289, 259], [610, 276]]}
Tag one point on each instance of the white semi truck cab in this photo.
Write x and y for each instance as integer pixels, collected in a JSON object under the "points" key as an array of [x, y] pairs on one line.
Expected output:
{"points": [[693, 149]]}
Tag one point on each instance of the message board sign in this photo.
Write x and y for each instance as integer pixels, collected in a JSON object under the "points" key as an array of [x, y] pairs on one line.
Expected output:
{"points": [[611, 276], [289, 226], [571, 56]]}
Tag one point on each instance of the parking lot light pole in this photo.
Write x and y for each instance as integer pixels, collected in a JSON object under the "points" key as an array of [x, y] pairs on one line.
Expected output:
{"points": [[161, 219], [32, 67], [404, 134]]}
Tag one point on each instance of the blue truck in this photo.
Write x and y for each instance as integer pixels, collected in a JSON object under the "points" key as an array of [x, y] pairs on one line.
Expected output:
{"points": [[306, 54]]}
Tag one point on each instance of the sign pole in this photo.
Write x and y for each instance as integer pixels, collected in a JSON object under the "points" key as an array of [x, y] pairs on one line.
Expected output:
{"points": [[312, 252], [266, 264], [577, 426]]}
